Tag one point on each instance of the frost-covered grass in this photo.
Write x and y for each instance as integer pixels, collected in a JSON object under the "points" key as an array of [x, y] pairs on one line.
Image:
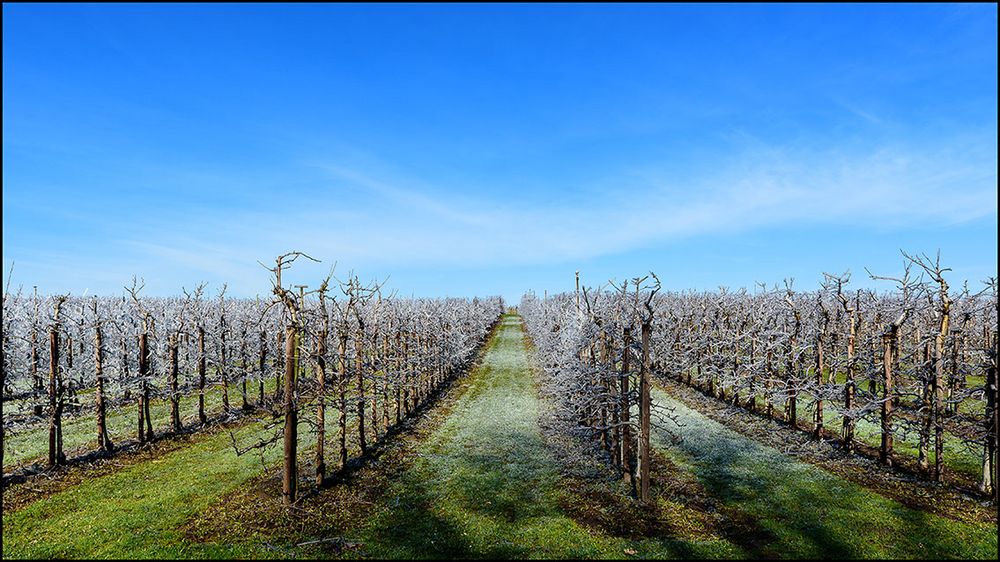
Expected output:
{"points": [[486, 486], [802, 511]]}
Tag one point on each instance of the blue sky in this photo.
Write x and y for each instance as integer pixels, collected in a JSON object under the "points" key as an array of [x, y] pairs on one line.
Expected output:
{"points": [[488, 149]]}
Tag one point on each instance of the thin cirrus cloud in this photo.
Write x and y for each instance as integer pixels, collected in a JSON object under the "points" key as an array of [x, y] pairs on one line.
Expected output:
{"points": [[373, 220], [391, 223]]}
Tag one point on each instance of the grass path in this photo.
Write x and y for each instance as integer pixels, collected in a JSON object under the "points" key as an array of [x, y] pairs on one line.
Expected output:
{"points": [[139, 511], [486, 486], [80, 431], [800, 510]]}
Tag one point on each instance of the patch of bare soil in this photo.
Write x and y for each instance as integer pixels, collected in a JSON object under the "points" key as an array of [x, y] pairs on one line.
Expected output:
{"points": [[901, 484]]}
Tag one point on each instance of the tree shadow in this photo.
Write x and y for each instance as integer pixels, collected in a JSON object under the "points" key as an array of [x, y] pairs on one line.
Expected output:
{"points": [[781, 507]]}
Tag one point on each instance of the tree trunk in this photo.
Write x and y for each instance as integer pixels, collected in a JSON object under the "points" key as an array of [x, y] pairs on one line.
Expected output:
{"points": [[736, 374], [849, 388], [321, 409], [820, 365], [889, 351], [359, 367], [6, 393], [768, 377], [342, 397], [262, 367], [36, 374], [628, 456], [791, 387], [616, 409], [990, 478], [70, 390], [221, 368], [278, 361], [126, 373], [606, 399], [289, 480], [245, 368], [751, 403], [408, 384], [644, 415], [939, 374], [201, 376], [175, 398], [927, 416], [56, 455], [399, 381], [385, 382], [103, 440], [145, 423]]}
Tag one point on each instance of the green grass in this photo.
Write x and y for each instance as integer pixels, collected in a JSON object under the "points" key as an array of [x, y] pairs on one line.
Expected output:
{"points": [[802, 511], [135, 512], [138, 512], [958, 456], [486, 486], [80, 432]]}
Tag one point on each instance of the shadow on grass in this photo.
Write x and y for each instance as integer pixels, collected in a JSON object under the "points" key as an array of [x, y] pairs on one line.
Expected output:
{"points": [[223, 420], [487, 486], [803, 511], [487, 479]]}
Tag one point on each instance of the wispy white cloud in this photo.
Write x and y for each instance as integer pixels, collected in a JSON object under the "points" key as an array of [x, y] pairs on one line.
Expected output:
{"points": [[400, 223], [771, 187], [411, 198]]}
